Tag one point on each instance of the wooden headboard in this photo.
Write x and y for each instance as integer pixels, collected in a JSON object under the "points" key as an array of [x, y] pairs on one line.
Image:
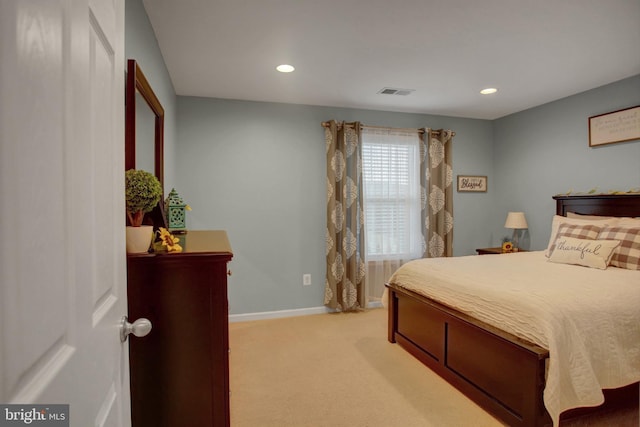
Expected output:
{"points": [[602, 204]]}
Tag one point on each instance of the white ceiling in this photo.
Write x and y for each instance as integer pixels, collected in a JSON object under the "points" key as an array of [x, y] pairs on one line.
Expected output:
{"points": [[345, 51]]}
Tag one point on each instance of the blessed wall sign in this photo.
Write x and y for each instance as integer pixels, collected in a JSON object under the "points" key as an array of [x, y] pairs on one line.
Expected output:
{"points": [[472, 183]]}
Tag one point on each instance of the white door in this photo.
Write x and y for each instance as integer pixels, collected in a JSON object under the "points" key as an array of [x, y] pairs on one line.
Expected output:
{"points": [[62, 260]]}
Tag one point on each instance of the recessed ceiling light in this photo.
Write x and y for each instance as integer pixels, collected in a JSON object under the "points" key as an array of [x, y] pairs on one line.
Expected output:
{"points": [[488, 91], [285, 68]]}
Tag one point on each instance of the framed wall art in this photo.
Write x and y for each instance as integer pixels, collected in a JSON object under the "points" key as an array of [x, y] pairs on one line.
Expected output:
{"points": [[617, 126], [472, 184]]}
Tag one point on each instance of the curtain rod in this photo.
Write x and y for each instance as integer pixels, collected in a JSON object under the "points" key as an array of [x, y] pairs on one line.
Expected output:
{"points": [[419, 131]]}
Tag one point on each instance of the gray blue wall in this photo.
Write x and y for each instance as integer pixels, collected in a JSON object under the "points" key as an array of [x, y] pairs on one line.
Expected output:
{"points": [[141, 45], [545, 150], [257, 170]]}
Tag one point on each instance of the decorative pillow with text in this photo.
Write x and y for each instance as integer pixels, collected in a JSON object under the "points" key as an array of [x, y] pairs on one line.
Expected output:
{"points": [[559, 220], [578, 231], [585, 252]]}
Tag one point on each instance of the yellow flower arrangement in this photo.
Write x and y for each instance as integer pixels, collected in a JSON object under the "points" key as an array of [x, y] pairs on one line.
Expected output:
{"points": [[507, 247], [168, 242]]}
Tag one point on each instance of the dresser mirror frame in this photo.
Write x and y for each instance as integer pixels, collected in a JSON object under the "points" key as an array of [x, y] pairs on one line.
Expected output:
{"points": [[138, 84]]}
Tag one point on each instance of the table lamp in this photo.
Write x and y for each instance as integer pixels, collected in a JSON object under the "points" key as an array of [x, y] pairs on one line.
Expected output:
{"points": [[516, 221]]}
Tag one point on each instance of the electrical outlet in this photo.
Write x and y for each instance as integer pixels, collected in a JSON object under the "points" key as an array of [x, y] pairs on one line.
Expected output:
{"points": [[306, 279]]}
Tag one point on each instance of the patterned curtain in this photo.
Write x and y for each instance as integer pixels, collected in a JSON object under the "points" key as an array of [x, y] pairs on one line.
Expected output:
{"points": [[436, 175], [344, 288]]}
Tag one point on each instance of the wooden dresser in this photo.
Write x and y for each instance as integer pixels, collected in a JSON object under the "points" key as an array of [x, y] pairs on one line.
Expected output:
{"points": [[180, 371]]}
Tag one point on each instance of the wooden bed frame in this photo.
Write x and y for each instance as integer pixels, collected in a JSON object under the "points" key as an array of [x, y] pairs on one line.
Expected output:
{"points": [[500, 372]]}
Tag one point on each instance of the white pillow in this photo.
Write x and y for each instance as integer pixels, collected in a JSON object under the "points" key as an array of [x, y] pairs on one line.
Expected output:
{"points": [[628, 222], [558, 219], [618, 221], [585, 252]]}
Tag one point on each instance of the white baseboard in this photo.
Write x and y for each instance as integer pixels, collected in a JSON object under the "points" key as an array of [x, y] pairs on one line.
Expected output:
{"points": [[288, 313], [375, 304], [278, 314]]}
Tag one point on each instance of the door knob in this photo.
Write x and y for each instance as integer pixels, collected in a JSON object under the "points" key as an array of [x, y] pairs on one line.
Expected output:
{"points": [[139, 328]]}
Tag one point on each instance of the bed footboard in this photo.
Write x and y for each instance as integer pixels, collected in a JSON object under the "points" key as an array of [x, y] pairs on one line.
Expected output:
{"points": [[498, 371]]}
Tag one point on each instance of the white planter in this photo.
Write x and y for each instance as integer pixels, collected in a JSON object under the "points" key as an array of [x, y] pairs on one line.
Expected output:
{"points": [[139, 239]]}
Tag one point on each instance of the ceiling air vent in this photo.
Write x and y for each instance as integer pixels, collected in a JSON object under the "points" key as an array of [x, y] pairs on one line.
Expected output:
{"points": [[395, 91]]}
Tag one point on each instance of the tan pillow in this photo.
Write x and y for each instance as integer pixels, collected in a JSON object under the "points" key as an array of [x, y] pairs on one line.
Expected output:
{"points": [[559, 219], [585, 252], [589, 217], [628, 254], [614, 220]]}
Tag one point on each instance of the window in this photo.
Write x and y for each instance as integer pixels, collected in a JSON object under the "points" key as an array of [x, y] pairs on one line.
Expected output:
{"points": [[390, 170]]}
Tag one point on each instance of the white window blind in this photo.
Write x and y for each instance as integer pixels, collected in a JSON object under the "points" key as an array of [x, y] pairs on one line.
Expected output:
{"points": [[390, 169]]}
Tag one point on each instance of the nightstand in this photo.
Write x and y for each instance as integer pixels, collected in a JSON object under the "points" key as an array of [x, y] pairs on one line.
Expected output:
{"points": [[494, 251]]}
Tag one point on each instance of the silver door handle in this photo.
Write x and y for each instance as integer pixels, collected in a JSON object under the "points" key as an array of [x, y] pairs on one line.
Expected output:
{"points": [[139, 328]]}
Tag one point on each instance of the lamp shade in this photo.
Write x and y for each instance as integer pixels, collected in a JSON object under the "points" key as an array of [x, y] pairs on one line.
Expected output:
{"points": [[516, 220]]}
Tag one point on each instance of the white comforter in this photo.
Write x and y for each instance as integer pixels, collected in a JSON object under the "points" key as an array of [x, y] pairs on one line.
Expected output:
{"points": [[588, 319]]}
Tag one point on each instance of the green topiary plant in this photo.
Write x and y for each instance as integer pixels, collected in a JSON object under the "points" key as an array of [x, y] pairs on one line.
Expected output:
{"points": [[142, 192]]}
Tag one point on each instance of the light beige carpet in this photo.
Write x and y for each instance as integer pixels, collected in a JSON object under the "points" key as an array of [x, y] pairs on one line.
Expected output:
{"points": [[339, 370]]}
